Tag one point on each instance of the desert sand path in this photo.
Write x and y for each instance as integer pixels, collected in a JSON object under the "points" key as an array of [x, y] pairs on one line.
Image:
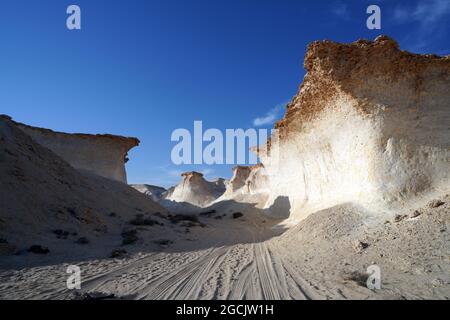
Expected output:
{"points": [[240, 271], [237, 263]]}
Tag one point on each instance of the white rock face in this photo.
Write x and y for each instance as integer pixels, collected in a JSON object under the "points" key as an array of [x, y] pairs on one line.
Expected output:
{"points": [[41, 192], [370, 125], [154, 192], [238, 181], [103, 155], [257, 181], [195, 190], [249, 180]]}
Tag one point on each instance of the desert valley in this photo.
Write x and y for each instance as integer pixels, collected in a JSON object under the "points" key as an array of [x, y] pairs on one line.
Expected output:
{"points": [[362, 178]]}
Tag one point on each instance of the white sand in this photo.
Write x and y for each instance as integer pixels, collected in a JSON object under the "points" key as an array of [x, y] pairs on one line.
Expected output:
{"points": [[254, 258]]}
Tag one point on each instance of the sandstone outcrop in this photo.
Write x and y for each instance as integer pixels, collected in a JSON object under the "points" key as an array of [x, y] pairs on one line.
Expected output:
{"points": [[104, 155], [195, 190], [369, 125]]}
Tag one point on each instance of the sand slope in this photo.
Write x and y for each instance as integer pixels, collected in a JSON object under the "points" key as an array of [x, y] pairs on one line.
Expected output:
{"points": [[251, 258], [41, 193]]}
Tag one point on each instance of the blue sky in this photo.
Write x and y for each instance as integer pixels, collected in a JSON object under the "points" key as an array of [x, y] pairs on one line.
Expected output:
{"points": [[144, 67]]}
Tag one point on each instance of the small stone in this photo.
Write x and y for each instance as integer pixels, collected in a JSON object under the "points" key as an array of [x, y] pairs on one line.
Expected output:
{"points": [[237, 215], [163, 242], [61, 234], [399, 218], [140, 220], [359, 246], [435, 204], [118, 253], [208, 213], [415, 214], [37, 249]]}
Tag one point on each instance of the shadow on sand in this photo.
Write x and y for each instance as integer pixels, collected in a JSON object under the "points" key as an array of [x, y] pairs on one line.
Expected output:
{"points": [[223, 224]]}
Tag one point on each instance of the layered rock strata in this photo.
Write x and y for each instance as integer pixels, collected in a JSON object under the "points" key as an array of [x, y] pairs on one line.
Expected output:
{"points": [[104, 155], [370, 125]]}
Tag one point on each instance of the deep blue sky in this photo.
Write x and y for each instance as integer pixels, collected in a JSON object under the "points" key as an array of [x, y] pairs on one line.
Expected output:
{"points": [[144, 68]]}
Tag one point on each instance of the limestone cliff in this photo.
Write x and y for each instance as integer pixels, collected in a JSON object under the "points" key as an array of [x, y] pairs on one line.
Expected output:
{"points": [[370, 124], [103, 155]]}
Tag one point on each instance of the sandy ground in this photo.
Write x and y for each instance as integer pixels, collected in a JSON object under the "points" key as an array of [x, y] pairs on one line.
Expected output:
{"points": [[252, 257]]}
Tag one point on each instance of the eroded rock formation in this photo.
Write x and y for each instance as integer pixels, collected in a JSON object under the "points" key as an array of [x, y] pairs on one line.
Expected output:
{"points": [[369, 125], [239, 178], [194, 189], [257, 181], [40, 192], [103, 155], [247, 180]]}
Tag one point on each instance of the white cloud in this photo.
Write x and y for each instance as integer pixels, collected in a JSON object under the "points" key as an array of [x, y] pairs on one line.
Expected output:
{"points": [[270, 117], [427, 12], [341, 10], [431, 11], [426, 19], [401, 14]]}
